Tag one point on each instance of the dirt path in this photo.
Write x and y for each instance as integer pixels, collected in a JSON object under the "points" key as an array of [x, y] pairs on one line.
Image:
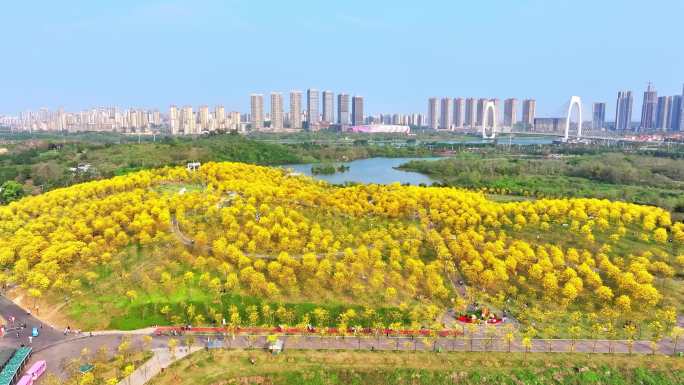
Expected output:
{"points": [[175, 229]]}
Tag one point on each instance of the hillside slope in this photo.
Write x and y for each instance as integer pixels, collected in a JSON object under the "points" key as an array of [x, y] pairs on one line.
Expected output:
{"points": [[256, 245]]}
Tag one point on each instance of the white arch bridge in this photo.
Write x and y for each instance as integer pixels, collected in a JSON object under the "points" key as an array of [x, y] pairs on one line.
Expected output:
{"points": [[489, 128], [575, 101], [489, 106]]}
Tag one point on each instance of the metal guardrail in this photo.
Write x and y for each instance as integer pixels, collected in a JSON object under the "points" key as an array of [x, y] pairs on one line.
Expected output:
{"points": [[446, 344]]}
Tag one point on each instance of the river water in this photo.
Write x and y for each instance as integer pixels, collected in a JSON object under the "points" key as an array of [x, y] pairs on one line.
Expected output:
{"points": [[382, 170], [373, 170]]}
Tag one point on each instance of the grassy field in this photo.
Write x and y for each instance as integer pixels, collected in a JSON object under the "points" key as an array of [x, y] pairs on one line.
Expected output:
{"points": [[332, 368]]}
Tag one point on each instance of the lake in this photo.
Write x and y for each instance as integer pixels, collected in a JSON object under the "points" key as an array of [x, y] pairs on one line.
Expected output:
{"points": [[382, 171], [372, 170]]}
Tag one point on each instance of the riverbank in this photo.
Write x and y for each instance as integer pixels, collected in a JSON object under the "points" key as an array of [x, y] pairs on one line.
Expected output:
{"points": [[45, 162], [635, 178]]}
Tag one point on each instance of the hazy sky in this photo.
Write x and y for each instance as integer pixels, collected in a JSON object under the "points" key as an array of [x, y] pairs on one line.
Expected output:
{"points": [[395, 53]]}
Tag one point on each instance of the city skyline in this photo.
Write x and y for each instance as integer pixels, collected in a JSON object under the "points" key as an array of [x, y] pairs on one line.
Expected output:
{"points": [[49, 66], [647, 106], [658, 113], [664, 113]]}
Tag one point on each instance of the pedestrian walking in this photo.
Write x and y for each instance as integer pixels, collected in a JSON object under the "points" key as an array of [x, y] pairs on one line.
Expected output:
{"points": [[30, 340]]}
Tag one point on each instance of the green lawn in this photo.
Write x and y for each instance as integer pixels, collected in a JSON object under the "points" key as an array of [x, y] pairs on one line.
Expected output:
{"points": [[379, 368], [175, 188], [104, 304]]}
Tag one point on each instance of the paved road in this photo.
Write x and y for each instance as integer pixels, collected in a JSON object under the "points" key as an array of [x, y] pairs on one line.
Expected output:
{"points": [[52, 345], [48, 335], [313, 342], [161, 360], [60, 353]]}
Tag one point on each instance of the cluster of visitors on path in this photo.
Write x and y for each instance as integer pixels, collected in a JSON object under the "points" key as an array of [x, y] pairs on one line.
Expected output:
{"points": [[475, 313], [18, 327], [68, 330]]}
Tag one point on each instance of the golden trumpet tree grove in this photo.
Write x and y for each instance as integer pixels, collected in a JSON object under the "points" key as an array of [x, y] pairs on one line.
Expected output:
{"points": [[242, 231]]}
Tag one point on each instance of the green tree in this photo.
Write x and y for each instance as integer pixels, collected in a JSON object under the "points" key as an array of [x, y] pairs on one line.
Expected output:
{"points": [[87, 379], [173, 344], [472, 329], [527, 346], [11, 191], [128, 370], [509, 337], [574, 332], [630, 332], [147, 342], [52, 379], [677, 333], [657, 330]]}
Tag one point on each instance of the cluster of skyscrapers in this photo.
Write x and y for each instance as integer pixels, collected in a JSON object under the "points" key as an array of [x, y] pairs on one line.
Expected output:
{"points": [[319, 112], [179, 121], [183, 121], [95, 119], [412, 119], [664, 113], [323, 110], [462, 113]]}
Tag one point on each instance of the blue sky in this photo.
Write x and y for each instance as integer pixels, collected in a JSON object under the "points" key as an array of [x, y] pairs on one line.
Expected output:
{"points": [[397, 53]]}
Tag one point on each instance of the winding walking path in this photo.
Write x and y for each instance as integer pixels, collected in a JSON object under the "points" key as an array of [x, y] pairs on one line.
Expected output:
{"points": [[161, 360]]}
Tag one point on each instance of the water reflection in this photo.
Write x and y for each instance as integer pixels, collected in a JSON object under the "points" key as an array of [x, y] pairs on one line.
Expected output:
{"points": [[373, 170]]}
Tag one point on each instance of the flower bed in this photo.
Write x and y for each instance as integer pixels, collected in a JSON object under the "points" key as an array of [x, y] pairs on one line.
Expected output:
{"points": [[467, 319]]}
